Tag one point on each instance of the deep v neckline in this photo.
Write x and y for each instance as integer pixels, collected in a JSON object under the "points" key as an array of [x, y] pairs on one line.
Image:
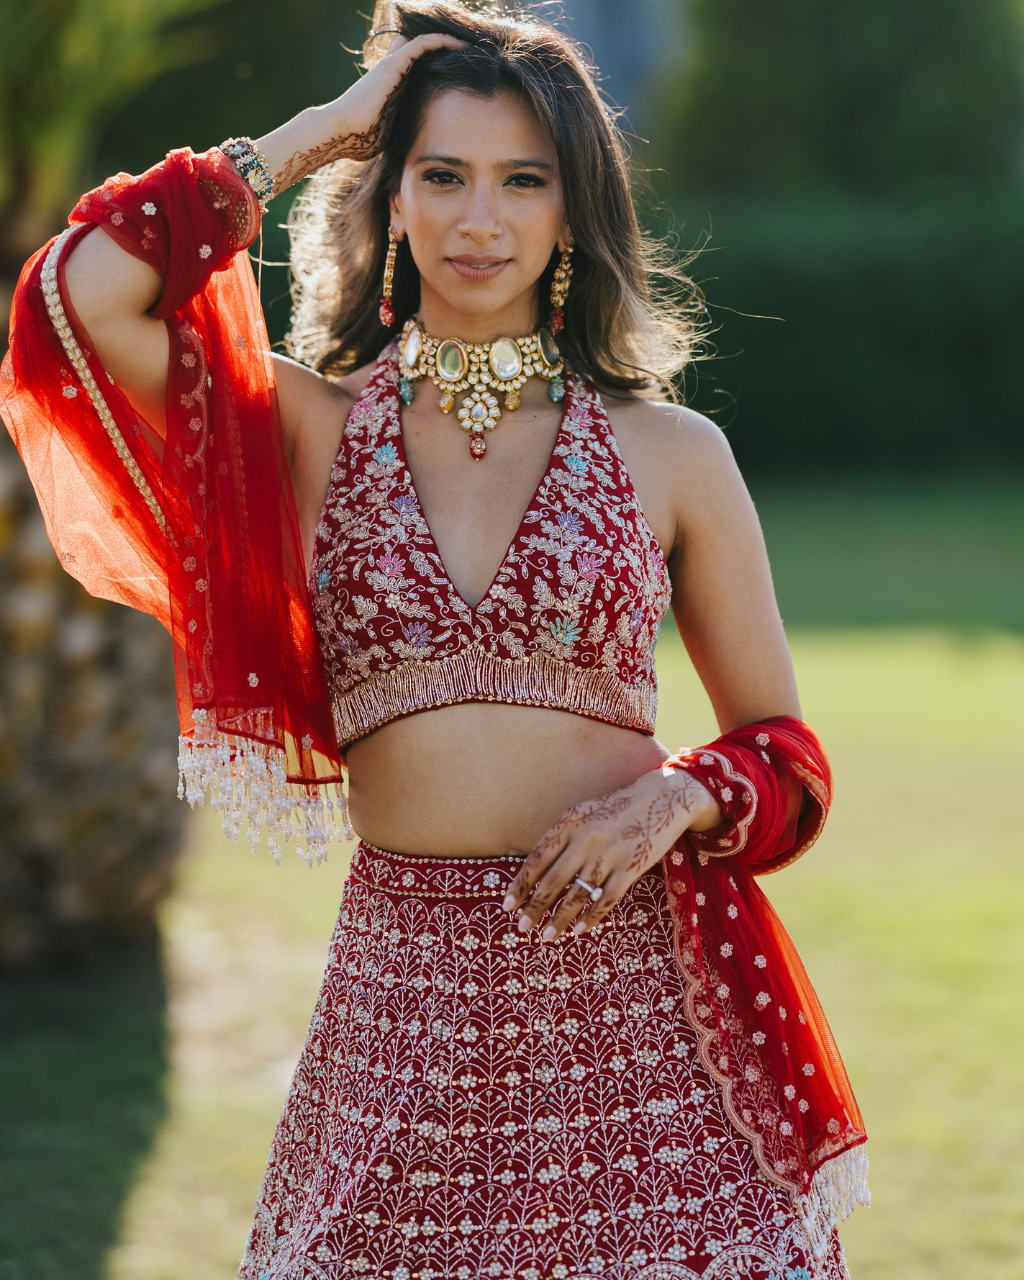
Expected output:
{"points": [[534, 497]]}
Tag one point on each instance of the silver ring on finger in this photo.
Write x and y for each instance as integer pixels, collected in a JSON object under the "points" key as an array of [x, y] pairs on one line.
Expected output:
{"points": [[595, 891]]}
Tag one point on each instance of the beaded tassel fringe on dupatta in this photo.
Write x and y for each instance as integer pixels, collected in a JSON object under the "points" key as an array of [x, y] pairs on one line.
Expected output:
{"points": [[248, 784]]}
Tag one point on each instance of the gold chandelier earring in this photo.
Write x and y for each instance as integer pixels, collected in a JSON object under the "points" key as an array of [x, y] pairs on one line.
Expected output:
{"points": [[560, 290], [387, 310]]}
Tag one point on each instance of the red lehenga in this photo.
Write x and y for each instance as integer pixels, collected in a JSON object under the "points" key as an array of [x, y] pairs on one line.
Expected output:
{"points": [[473, 1103], [662, 1098]]}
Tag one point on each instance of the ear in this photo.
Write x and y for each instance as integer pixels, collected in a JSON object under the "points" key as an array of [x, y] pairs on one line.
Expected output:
{"points": [[564, 238], [395, 205]]}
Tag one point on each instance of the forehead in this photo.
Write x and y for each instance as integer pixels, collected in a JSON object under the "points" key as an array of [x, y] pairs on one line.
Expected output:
{"points": [[481, 131]]}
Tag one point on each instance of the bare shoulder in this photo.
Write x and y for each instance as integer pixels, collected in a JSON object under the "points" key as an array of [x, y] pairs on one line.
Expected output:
{"points": [[314, 407], [668, 434], [354, 383], [679, 460], [301, 389]]}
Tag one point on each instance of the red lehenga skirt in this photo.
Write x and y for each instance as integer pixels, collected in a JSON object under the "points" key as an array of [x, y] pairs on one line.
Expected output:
{"points": [[471, 1103]]}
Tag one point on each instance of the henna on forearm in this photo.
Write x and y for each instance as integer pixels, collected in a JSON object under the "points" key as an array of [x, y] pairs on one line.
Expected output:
{"points": [[352, 146], [322, 135], [348, 146]]}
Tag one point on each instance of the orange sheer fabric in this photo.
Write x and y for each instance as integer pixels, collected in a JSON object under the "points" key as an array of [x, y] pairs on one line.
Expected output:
{"points": [[199, 528]]}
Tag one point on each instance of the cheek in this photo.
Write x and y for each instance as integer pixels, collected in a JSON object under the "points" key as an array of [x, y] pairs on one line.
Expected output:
{"points": [[424, 219], [538, 224]]}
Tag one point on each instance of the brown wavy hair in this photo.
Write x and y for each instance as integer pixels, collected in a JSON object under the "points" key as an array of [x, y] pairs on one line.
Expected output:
{"points": [[633, 319]]}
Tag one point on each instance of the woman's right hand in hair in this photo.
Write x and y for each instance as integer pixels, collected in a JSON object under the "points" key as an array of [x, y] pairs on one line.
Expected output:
{"points": [[112, 291], [351, 127]]}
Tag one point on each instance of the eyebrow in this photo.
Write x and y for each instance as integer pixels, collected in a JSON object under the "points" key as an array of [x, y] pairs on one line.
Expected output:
{"points": [[456, 163]]}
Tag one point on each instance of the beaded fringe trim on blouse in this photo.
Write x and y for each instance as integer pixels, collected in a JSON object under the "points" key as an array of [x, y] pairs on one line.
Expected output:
{"points": [[477, 676], [249, 785]]}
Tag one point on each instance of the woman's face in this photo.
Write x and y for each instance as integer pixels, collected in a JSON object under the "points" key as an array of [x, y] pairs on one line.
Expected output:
{"points": [[481, 203]]}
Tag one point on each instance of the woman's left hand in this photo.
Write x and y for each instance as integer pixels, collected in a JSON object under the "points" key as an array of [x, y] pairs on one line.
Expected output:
{"points": [[607, 843]]}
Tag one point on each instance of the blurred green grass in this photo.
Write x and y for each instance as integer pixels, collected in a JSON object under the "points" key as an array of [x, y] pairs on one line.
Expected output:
{"points": [[83, 1063], [907, 914], [904, 611], [947, 552]]}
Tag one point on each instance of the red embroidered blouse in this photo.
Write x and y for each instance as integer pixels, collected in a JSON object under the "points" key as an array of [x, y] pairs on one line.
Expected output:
{"points": [[569, 621]]}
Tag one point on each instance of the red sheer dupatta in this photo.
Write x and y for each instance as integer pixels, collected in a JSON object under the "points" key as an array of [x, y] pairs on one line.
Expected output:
{"points": [[198, 528], [761, 1030]]}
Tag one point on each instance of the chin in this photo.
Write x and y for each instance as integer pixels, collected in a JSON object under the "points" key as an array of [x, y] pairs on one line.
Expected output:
{"points": [[477, 306], [479, 300]]}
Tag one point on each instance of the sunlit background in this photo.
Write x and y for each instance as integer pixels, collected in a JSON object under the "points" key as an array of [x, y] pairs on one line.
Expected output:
{"points": [[853, 175]]}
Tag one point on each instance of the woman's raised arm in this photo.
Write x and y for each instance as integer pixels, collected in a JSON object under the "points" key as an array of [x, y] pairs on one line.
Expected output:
{"points": [[351, 127], [112, 291]]}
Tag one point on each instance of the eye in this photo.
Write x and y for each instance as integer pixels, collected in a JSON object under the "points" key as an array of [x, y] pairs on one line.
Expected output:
{"points": [[441, 177], [525, 181]]}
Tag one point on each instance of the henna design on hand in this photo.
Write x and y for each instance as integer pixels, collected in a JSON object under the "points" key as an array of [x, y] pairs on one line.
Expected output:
{"points": [[602, 808], [599, 809], [660, 814], [349, 146]]}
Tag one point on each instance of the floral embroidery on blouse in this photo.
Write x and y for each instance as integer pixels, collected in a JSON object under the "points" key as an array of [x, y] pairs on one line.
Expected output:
{"points": [[583, 584]]}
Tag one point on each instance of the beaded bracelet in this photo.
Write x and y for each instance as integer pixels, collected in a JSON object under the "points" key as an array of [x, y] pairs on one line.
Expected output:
{"points": [[252, 165]]}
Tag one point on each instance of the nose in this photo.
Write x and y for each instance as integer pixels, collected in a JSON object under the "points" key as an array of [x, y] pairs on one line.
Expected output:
{"points": [[479, 221]]}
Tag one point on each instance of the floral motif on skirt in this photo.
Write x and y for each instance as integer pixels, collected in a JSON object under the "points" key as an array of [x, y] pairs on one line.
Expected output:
{"points": [[475, 1104]]}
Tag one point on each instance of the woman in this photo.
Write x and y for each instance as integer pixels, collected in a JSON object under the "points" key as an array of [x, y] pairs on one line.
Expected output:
{"points": [[602, 1058]]}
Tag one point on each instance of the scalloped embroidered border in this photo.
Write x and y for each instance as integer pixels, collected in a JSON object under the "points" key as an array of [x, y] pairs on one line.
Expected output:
{"points": [[839, 1184], [58, 317], [814, 784], [742, 825]]}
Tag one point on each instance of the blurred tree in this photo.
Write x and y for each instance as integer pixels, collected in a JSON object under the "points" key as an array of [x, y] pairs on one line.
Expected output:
{"points": [[89, 822], [875, 98], [65, 67], [89, 826], [269, 61]]}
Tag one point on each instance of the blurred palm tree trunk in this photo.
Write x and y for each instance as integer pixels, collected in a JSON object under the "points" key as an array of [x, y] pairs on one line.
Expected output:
{"points": [[89, 821]]}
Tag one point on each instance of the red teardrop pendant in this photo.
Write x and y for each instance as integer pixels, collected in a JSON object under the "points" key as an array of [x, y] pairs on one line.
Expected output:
{"points": [[387, 313], [557, 323]]}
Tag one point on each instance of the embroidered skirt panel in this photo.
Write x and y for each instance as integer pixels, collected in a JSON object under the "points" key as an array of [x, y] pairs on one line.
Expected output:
{"points": [[471, 1103]]}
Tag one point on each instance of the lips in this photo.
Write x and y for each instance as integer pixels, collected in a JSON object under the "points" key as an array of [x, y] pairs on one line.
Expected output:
{"points": [[471, 267]]}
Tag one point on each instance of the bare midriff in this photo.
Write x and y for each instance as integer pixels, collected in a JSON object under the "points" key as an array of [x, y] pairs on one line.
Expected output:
{"points": [[479, 779]]}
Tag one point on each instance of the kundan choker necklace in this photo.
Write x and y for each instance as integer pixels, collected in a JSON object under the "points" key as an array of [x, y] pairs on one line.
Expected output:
{"points": [[485, 369]]}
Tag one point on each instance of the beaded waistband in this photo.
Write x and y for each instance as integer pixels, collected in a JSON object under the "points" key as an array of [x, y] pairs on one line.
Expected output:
{"points": [[414, 875]]}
